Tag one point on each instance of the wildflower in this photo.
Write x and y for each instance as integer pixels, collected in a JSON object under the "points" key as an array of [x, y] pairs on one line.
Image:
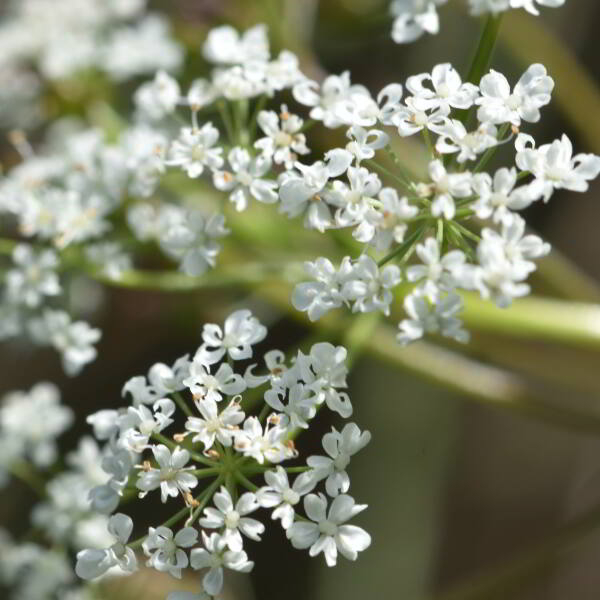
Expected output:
{"points": [[194, 150], [329, 533], [164, 549]]}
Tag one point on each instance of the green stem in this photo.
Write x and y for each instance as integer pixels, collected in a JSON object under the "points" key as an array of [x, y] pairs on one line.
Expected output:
{"points": [[405, 246], [254, 119], [206, 495], [482, 57], [489, 153], [180, 401], [194, 455], [222, 106], [246, 482], [387, 172]]}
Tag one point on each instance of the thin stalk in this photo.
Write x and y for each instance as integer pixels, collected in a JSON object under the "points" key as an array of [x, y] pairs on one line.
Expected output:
{"points": [[489, 153], [387, 172], [180, 401], [226, 118], [246, 482], [172, 445], [260, 104], [405, 246], [206, 496]]}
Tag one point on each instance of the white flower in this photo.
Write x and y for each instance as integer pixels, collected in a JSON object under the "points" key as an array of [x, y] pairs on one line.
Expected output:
{"points": [[498, 196], [93, 563], [412, 117], [193, 150], [327, 98], [437, 270], [371, 288], [324, 371], [168, 556], [280, 495], [150, 221], [201, 94], [329, 533], [499, 105], [283, 141], [140, 423], [224, 45], [426, 317], [162, 380], [193, 242], [214, 425], [554, 166], [240, 332], [172, 476], [364, 143], [340, 446], [414, 18], [306, 190], [269, 445], [33, 420], [455, 138], [72, 339], [211, 387], [356, 200], [529, 5], [34, 276], [246, 179], [157, 98], [233, 518], [325, 293], [446, 187], [214, 557], [448, 89], [389, 222], [300, 407]]}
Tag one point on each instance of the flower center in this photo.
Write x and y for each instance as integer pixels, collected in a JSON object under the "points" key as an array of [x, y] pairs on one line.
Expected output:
{"points": [[232, 519], [198, 153], [283, 139], [244, 178], [327, 528], [290, 496], [341, 462]]}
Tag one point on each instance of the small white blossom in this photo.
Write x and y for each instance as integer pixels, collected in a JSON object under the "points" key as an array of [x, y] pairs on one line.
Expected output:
{"points": [[446, 187], [214, 425], [246, 179], [426, 317], [455, 138], [233, 518], [33, 277], [72, 339], [193, 242], [206, 386], [413, 117], [498, 104], [554, 166], [300, 407], [283, 141], [447, 90], [329, 532], [164, 549], [224, 45], [280, 495], [93, 563], [240, 332], [215, 556], [414, 18], [264, 445], [157, 98], [194, 150], [340, 446], [172, 476]]}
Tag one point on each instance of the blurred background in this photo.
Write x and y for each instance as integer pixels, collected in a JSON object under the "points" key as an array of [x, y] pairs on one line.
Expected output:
{"points": [[465, 500]]}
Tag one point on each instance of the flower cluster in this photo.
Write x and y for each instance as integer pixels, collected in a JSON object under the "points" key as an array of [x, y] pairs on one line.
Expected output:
{"points": [[413, 18], [206, 406], [51, 41]]}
